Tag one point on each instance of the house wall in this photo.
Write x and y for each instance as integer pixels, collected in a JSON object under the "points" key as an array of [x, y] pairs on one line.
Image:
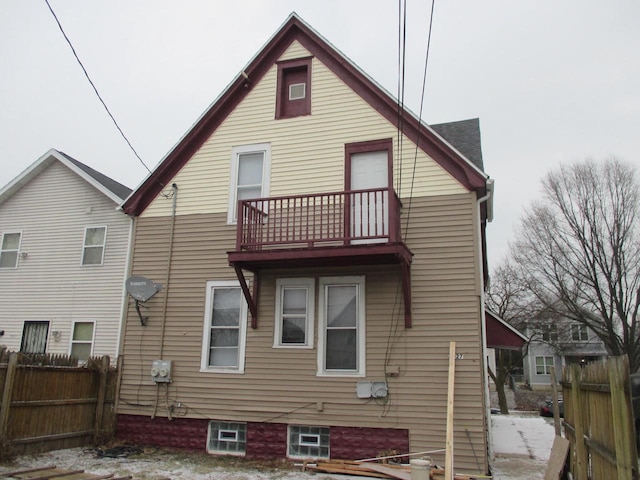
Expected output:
{"points": [[50, 284], [280, 385]]}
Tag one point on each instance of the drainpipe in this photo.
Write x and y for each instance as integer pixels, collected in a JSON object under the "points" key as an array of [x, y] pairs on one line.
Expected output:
{"points": [[488, 197]]}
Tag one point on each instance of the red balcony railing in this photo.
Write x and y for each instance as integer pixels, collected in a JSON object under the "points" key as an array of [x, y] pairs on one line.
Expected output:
{"points": [[319, 220]]}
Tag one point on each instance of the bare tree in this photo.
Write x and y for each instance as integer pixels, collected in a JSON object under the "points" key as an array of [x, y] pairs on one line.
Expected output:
{"points": [[509, 298], [578, 251]]}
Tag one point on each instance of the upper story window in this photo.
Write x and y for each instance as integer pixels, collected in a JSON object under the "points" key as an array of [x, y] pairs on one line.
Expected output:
{"points": [[579, 332], [225, 325], [9, 250], [550, 333], [95, 239], [294, 312], [250, 171], [293, 97]]}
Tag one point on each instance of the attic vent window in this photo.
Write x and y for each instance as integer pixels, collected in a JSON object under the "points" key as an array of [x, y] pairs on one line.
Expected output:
{"points": [[297, 91], [293, 90]]}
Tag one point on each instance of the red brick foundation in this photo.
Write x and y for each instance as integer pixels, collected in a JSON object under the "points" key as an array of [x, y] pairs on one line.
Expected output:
{"points": [[264, 440]]}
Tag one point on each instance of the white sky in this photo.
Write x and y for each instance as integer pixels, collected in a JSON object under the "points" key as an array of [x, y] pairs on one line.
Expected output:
{"points": [[551, 80]]}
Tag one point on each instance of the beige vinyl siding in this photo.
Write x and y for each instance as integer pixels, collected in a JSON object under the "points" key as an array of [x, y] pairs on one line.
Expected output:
{"points": [[50, 283], [280, 385], [316, 141]]}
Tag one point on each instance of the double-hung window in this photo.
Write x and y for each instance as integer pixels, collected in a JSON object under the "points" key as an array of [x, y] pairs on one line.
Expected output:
{"points": [[543, 365], [294, 312], [82, 340], [225, 326], [9, 250], [250, 171], [579, 332], [95, 239], [341, 312]]}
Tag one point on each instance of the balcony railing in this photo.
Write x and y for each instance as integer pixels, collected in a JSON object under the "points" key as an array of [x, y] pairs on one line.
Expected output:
{"points": [[346, 218]]}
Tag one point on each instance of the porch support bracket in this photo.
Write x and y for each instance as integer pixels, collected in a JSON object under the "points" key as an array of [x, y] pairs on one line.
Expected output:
{"points": [[251, 299], [406, 291]]}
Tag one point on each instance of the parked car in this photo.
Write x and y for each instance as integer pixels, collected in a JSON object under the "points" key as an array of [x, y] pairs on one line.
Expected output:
{"points": [[546, 409]]}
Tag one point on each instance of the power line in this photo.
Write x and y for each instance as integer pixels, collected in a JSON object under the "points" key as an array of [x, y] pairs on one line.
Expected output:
{"points": [[86, 74], [424, 83]]}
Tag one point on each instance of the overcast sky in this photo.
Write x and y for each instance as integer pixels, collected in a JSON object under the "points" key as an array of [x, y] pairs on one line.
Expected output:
{"points": [[551, 80]]}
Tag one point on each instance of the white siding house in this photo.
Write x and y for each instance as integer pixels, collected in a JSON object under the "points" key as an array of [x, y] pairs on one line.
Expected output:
{"points": [[63, 259]]}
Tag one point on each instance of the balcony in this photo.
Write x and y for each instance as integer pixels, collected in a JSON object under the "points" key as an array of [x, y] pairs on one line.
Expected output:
{"points": [[357, 227]]}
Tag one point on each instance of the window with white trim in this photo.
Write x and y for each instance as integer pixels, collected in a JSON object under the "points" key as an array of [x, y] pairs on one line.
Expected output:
{"points": [[550, 333], [579, 332], [543, 365], [308, 442], [250, 171], [294, 312], [34, 337], [341, 326], [82, 337], [10, 249], [225, 325], [95, 239], [229, 438]]}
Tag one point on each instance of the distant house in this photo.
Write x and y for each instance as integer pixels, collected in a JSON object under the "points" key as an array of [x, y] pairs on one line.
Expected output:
{"points": [[319, 249], [63, 259], [557, 344]]}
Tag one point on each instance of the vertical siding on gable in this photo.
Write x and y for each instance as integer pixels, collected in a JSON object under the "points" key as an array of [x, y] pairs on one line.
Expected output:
{"points": [[316, 141], [50, 283], [280, 385]]}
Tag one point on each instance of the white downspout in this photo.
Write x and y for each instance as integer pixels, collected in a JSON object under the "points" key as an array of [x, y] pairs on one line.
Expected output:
{"points": [[488, 197]]}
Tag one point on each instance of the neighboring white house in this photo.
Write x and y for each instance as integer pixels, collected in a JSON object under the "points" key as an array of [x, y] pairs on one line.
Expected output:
{"points": [[558, 344], [63, 259]]}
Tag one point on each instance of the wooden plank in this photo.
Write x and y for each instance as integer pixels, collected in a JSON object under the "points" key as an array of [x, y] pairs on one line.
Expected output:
{"points": [[58, 473], [13, 473], [395, 473], [626, 454], [448, 462], [102, 391], [7, 393], [581, 448], [557, 459], [554, 395]]}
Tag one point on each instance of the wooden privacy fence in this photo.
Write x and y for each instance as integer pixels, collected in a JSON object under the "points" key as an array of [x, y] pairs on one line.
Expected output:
{"points": [[52, 407], [598, 420]]}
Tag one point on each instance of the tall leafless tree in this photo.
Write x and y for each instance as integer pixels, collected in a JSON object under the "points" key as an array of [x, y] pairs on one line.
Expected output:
{"points": [[509, 298], [578, 251]]}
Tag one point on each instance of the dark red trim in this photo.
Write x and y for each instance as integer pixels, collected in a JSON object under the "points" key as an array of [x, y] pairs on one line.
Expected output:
{"points": [[295, 29], [499, 335], [281, 90]]}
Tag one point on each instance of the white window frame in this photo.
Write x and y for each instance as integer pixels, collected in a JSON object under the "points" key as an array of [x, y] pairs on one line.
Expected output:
{"points": [[577, 331], [545, 365], [85, 246], [217, 423], [73, 342], [292, 89], [265, 148], [7, 250], [208, 317], [324, 283], [302, 283]]}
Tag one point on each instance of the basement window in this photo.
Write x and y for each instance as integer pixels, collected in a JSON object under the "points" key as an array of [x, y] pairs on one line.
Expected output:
{"points": [[305, 442], [228, 438], [293, 90]]}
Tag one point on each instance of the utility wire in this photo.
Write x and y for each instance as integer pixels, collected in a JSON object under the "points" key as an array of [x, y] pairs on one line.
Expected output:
{"points": [[86, 74], [424, 83], [402, 37]]}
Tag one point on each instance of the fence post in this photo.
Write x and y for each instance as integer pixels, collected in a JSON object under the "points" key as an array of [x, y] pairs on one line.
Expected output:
{"points": [[7, 393], [582, 459], [554, 395], [622, 419], [101, 394]]}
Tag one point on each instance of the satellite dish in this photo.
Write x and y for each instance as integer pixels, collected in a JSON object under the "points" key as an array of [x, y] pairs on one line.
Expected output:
{"points": [[141, 288]]}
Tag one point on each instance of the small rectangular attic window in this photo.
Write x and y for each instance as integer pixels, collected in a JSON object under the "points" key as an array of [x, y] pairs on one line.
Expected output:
{"points": [[293, 90]]}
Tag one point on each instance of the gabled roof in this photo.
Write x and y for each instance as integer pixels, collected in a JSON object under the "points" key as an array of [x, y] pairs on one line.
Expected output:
{"points": [[107, 186], [502, 335], [464, 136], [452, 160]]}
